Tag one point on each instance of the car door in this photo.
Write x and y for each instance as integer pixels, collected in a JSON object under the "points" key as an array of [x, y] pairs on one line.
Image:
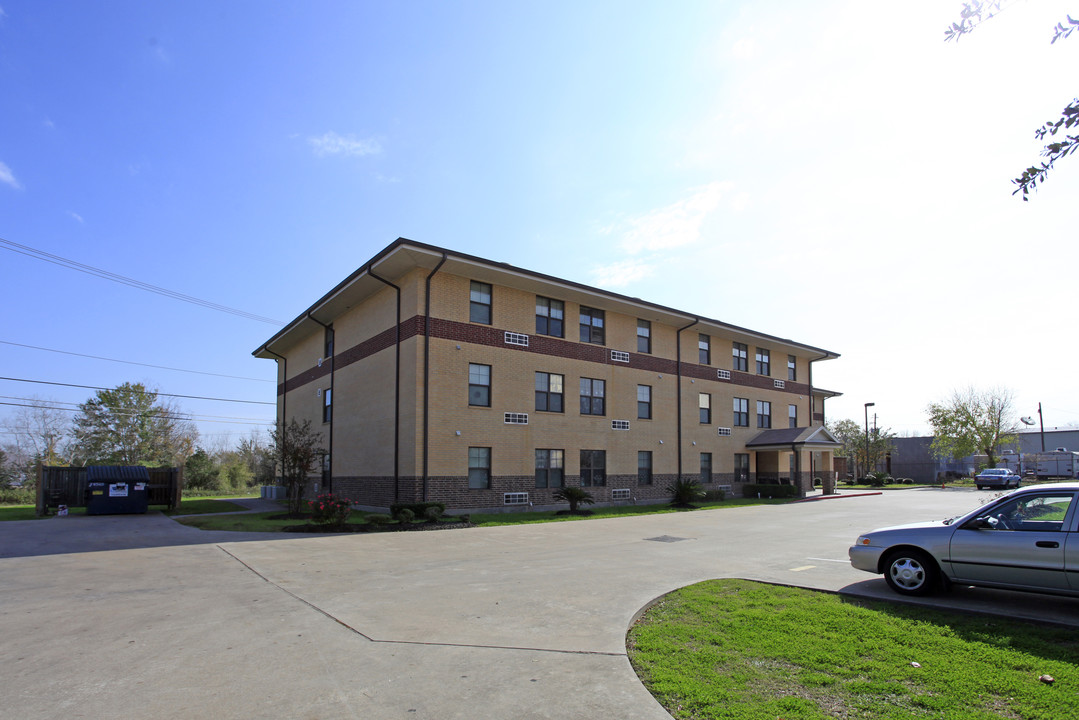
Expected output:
{"points": [[1020, 542], [1071, 553]]}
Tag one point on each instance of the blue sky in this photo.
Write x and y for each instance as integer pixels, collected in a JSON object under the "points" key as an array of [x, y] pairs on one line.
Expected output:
{"points": [[835, 174]]}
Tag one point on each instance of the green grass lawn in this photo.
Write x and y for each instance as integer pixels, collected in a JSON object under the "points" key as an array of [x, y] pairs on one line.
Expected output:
{"points": [[187, 507], [739, 649], [196, 506]]}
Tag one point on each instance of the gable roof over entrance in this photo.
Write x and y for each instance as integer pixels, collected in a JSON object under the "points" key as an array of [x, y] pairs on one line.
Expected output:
{"points": [[809, 438]]}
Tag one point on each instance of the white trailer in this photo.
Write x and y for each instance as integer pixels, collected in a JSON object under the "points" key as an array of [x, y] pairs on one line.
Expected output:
{"points": [[1059, 463]]}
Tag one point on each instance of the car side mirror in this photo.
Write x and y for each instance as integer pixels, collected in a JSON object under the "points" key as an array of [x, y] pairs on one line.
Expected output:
{"points": [[980, 523]]}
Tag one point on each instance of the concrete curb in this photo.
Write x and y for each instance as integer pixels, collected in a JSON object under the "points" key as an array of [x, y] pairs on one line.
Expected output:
{"points": [[838, 496]]}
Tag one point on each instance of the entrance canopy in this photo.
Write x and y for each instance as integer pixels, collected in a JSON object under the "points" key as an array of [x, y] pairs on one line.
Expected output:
{"points": [[787, 439]]}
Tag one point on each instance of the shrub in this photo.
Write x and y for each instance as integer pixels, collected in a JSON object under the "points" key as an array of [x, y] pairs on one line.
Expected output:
{"points": [[379, 519], [711, 495], [330, 509], [685, 490], [432, 514], [573, 495], [405, 516], [878, 479], [769, 490], [418, 509], [17, 496]]}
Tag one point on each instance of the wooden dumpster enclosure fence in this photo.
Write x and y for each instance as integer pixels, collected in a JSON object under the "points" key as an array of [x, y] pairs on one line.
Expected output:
{"points": [[67, 486]]}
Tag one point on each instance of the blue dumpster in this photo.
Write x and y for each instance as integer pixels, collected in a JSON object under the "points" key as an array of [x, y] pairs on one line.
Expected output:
{"points": [[116, 490]]}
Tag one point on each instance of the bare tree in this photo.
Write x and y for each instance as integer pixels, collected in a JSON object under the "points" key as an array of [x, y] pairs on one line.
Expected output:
{"points": [[296, 449]]}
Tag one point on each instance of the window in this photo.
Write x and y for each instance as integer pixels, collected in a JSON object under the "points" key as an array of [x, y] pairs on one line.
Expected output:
{"points": [[764, 414], [704, 349], [738, 351], [479, 468], [764, 362], [549, 468], [1037, 513], [741, 412], [592, 326], [327, 405], [479, 310], [325, 468], [644, 467], [479, 385], [792, 414], [593, 468], [741, 467], [593, 397], [792, 367], [706, 467], [644, 336], [704, 403], [327, 343], [644, 402], [549, 315], [549, 392]]}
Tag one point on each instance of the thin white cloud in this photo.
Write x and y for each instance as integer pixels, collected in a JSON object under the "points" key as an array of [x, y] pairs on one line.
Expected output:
{"points": [[676, 225], [76, 216], [333, 144], [7, 177], [622, 273], [49, 124]]}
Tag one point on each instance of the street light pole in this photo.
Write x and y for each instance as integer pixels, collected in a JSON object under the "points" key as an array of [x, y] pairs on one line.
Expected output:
{"points": [[867, 406]]}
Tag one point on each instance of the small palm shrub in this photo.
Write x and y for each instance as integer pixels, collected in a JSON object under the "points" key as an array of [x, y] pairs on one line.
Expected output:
{"points": [[575, 496], [878, 478], [684, 491]]}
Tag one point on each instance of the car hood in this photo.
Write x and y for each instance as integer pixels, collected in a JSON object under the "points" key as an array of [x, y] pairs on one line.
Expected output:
{"points": [[910, 526]]}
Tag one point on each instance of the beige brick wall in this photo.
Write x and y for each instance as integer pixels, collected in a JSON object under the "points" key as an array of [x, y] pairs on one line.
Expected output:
{"points": [[364, 391]]}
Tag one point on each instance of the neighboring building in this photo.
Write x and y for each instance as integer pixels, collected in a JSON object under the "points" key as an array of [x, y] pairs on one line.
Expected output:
{"points": [[439, 376], [913, 456]]}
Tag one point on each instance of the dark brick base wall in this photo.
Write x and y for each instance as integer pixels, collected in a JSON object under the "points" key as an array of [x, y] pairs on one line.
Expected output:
{"points": [[381, 492]]}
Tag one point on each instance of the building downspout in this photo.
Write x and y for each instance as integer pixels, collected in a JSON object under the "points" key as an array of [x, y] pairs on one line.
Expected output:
{"points": [[396, 391], [811, 401], [678, 387], [332, 401], [283, 361], [823, 421], [427, 369]]}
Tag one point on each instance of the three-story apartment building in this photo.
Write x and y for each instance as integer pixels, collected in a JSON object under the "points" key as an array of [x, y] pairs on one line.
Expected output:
{"points": [[440, 376]]}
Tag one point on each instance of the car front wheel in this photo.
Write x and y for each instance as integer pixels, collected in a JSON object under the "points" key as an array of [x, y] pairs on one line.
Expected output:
{"points": [[910, 572]]}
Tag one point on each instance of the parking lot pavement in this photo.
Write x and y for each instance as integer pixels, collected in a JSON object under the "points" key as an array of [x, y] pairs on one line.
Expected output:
{"points": [[526, 621]]}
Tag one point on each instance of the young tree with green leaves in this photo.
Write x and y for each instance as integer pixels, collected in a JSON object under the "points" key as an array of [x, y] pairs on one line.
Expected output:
{"points": [[853, 436], [297, 450], [972, 422]]}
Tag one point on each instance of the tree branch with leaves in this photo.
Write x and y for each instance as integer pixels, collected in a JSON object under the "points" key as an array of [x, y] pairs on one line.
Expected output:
{"points": [[975, 13]]}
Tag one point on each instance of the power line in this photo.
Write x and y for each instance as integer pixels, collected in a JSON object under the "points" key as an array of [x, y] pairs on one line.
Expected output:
{"points": [[130, 282], [150, 392], [180, 414], [167, 416], [131, 362]]}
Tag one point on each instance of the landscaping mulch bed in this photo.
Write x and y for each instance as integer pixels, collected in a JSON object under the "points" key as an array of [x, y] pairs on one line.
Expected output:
{"points": [[368, 528]]}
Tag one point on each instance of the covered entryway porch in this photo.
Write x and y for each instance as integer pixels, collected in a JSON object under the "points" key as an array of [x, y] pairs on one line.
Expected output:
{"points": [[795, 456]]}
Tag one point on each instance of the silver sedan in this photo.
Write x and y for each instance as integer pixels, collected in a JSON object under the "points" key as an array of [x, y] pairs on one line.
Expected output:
{"points": [[1025, 540]]}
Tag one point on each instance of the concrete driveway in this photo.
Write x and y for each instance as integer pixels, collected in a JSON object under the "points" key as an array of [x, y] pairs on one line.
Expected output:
{"points": [[141, 617]]}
